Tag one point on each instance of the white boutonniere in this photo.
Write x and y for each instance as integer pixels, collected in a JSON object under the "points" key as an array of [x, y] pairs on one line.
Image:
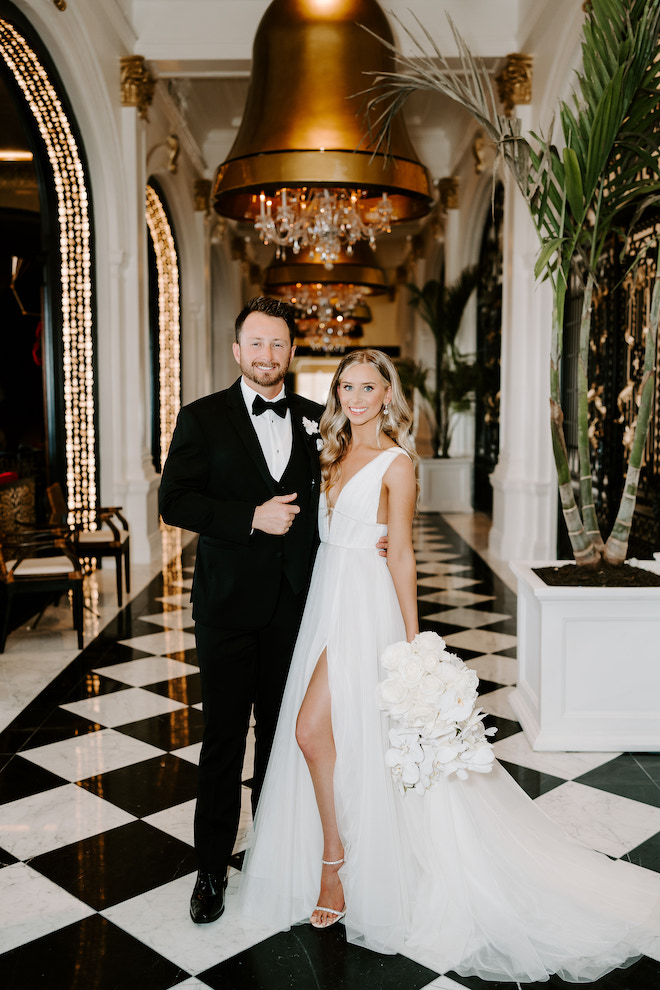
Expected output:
{"points": [[319, 444], [310, 425]]}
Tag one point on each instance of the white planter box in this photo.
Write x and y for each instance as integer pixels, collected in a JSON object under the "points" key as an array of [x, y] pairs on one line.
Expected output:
{"points": [[445, 484], [589, 666]]}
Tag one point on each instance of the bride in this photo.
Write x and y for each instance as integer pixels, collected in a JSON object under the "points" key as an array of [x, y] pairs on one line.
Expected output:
{"points": [[471, 876]]}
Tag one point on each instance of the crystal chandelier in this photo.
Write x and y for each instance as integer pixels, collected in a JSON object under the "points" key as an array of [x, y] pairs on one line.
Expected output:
{"points": [[330, 317], [323, 220]]}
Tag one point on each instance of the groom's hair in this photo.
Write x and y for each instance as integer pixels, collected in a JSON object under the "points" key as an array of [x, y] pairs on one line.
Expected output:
{"points": [[271, 307]]}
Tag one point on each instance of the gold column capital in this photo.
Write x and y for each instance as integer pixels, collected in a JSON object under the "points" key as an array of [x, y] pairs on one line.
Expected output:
{"points": [[514, 83], [137, 84], [202, 193], [448, 191]]}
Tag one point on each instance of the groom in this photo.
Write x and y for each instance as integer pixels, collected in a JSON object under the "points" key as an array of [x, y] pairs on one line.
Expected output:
{"points": [[243, 472]]}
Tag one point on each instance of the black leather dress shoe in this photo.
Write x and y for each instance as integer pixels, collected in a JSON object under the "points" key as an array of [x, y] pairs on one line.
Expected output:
{"points": [[208, 898]]}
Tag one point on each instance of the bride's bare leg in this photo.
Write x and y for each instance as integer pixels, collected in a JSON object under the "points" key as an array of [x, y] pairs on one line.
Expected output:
{"points": [[314, 736]]}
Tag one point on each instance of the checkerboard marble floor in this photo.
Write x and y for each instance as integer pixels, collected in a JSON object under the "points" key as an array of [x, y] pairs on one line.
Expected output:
{"points": [[97, 793]]}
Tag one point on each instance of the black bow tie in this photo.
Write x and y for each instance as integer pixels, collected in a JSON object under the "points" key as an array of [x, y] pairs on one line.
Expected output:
{"points": [[260, 405]]}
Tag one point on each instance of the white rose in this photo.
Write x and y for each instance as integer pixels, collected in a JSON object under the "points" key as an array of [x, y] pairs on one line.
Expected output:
{"points": [[319, 444], [394, 696], [428, 642], [311, 426], [395, 655], [411, 671], [430, 688]]}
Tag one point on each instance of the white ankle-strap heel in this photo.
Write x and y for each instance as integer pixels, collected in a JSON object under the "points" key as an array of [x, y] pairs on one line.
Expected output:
{"points": [[338, 915]]}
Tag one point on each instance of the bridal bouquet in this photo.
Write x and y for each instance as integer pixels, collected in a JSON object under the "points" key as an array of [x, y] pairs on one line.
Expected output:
{"points": [[431, 694]]}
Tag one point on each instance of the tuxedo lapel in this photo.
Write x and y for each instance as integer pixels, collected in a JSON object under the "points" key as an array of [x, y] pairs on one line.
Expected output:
{"points": [[309, 438], [240, 419]]}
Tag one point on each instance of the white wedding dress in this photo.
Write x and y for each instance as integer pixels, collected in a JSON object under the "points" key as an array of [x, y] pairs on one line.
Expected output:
{"points": [[471, 876]]}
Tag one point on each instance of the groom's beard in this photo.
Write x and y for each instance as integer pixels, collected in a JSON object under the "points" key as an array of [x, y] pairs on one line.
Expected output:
{"points": [[264, 376]]}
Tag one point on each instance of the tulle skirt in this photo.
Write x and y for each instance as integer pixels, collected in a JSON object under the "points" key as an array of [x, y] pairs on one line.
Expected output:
{"points": [[471, 876]]}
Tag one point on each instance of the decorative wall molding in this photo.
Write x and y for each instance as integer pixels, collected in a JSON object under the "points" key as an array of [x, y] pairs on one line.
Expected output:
{"points": [[202, 193], [448, 190], [137, 84], [514, 83]]}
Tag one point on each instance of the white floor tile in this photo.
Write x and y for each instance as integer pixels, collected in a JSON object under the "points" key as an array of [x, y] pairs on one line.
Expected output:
{"points": [[177, 821], [482, 640], [169, 641], [148, 670], [91, 754], [189, 753], [55, 818], [497, 703], [182, 599], [32, 906], [160, 919], [177, 618], [440, 569], [568, 766], [491, 667], [444, 983], [606, 822], [191, 984], [122, 707], [429, 567], [458, 598], [449, 582], [184, 583], [472, 618]]}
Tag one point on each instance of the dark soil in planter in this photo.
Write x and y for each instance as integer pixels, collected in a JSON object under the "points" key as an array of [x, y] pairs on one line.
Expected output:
{"points": [[603, 576]]}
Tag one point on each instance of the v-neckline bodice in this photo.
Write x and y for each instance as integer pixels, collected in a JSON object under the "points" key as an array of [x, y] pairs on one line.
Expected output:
{"points": [[331, 508]]}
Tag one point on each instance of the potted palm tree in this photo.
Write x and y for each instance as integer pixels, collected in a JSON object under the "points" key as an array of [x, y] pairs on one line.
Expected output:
{"points": [[446, 484], [584, 187]]}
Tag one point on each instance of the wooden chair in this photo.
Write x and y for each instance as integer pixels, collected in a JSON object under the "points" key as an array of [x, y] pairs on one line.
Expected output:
{"points": [[39, 563], [106, 541]]}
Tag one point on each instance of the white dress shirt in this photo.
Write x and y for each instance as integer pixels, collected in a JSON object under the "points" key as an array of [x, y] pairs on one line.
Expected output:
{"points": [[273, 431]]}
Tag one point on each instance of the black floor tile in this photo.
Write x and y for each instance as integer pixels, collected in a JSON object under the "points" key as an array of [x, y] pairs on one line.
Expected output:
{"points": [[485, 687], [307, 959], [533, 782], [147, 787], [7, 858], [172, 730], [647, 854], [61, 725], [114, 866], [93, 685], [91, 955], [20, 778], [505, 726], [642, 975], [186, 689], [632, 775]]}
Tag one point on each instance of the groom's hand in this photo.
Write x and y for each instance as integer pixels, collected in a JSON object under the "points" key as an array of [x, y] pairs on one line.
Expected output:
{"points": [[276, 515], [381, 546]]}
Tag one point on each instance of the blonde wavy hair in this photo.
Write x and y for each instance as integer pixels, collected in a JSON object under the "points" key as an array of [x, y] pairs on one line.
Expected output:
{"points": [[395, 421]]}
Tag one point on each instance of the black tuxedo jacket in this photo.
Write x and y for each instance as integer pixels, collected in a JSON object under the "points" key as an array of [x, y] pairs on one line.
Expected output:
{"points": [[214, 477]]}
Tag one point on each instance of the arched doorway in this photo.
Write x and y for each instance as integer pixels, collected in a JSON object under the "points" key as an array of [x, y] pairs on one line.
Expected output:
{"points": [[489, 346], [165, 326], [47, 253]]}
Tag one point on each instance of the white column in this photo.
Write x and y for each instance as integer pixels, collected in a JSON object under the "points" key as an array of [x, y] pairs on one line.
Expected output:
{"points": [[132, 401], [524, 481]]}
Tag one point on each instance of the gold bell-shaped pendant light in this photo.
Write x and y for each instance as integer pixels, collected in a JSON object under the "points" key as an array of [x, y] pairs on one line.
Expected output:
{"points": [[330, 305], [302, 167], [358, 272]]}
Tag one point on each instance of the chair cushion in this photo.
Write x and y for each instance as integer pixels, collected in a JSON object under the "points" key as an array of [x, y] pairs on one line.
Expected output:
{"points": [[42, 566], [100, 536]]}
